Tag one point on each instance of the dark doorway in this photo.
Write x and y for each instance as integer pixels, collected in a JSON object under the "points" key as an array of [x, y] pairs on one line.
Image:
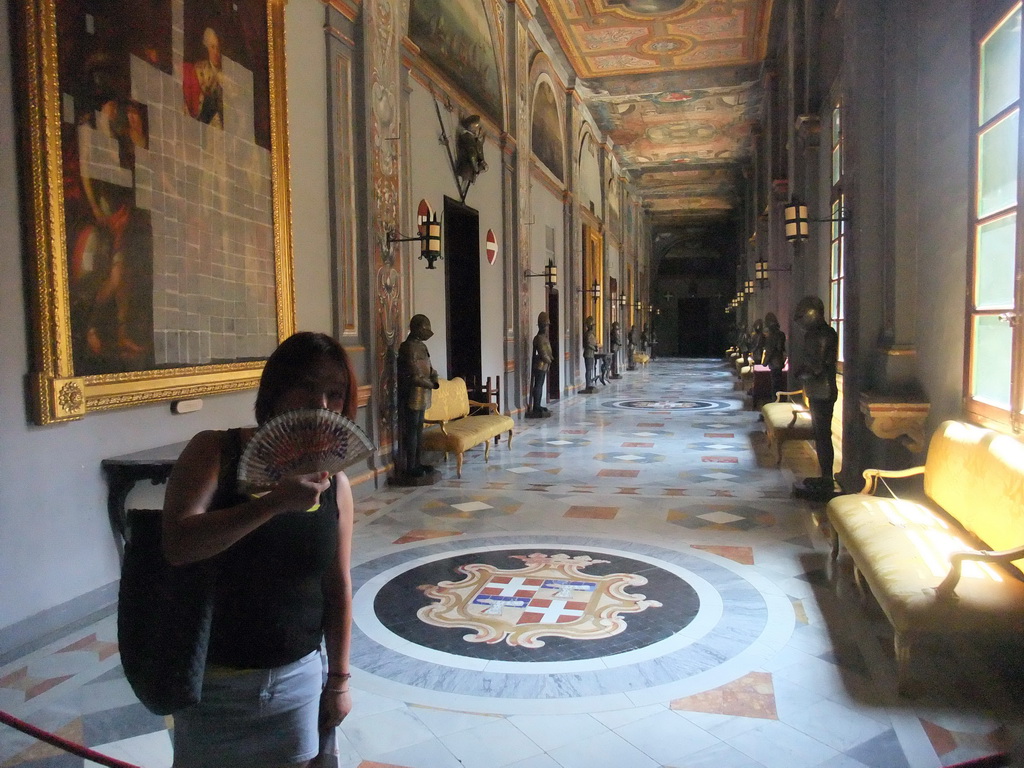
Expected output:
{"points": [[462, 271], [554, 336], [697, 334]]}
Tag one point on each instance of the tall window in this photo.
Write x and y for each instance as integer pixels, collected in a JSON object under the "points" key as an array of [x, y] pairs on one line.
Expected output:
{"points": [[994, 343], [837, 273]]}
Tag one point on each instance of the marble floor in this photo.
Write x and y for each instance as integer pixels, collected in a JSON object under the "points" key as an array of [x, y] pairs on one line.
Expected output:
{"points": [[631, 584]]}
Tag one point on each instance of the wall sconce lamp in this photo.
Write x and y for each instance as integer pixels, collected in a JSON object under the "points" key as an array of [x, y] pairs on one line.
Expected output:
{"points": [[761, 272], [594, 291], [429, 239], [550, 274], [748, 287], [639, 306], [623, 301], [797, 220]]}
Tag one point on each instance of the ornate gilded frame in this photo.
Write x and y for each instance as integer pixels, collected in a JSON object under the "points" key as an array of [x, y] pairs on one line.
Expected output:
{"points": [[57, 391]]}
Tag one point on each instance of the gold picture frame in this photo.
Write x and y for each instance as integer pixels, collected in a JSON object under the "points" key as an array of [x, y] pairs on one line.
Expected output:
{"points": [[156, 203]]}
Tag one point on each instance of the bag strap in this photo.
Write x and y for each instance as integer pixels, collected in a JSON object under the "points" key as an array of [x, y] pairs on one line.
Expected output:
{"points": [[227, 493]]}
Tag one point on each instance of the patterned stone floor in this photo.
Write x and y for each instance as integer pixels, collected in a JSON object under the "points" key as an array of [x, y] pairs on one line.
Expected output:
{"points": [[631, 585]]}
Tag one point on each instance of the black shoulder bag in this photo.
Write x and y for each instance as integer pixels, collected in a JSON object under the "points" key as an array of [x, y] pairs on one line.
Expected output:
{"points": [[163, 619]]}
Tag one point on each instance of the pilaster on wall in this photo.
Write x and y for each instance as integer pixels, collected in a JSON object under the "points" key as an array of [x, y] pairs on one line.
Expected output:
{"points": [[572, 242], [863, 94], [353, 299], [781, 261], [381, 21], [517, 323], [897, 361]]}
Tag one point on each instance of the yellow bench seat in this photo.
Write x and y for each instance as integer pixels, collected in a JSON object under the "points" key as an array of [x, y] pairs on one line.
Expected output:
{"points": [[455, 424], [786, 420], [950, 563]]}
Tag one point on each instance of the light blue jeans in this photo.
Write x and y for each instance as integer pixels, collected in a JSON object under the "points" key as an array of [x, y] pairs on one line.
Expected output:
{"points": [[252, 718]]}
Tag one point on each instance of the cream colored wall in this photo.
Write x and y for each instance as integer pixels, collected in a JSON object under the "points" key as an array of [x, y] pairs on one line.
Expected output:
{"points": [[306, 55], [431, 179]]}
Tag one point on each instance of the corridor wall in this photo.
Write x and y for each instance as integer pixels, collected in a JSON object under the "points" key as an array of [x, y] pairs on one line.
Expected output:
{"points": [[58, 559]]}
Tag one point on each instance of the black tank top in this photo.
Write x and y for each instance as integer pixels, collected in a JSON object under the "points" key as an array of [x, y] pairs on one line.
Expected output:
{"points": [[269, 605]]}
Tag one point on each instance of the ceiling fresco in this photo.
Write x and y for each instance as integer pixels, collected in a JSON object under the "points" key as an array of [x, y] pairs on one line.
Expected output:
{"points": [[676, 87]]}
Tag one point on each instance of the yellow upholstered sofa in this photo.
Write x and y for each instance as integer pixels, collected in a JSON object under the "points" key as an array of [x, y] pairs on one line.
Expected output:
{"points": [[787, 418], [454, 423], [948, 565]]}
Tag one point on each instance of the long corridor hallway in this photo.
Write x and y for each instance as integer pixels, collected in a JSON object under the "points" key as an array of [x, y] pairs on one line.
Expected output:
{"points": [[630, 585]]}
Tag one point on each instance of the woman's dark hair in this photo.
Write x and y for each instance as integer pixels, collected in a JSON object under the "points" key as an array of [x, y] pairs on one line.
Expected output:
{"points": [[294, 355]]}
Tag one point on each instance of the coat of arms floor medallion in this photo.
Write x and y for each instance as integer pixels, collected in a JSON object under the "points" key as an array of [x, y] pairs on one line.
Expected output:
{"points": [[550, 596], [682, 404], [536, 605]]}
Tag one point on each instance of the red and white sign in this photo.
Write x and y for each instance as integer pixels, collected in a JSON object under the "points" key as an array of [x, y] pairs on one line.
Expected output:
{"points": [[492, 246]]}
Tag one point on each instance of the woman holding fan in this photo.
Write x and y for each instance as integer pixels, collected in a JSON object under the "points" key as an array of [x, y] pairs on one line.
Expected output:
{"points": [[282, 585]]}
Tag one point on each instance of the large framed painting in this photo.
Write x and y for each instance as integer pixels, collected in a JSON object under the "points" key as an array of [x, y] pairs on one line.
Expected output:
{"points": [[455, 37], [546, 131], [156, 204]]}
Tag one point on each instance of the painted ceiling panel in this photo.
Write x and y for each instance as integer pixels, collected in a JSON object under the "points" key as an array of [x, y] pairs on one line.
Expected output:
{"points": [[674, 84], [664, 35]]}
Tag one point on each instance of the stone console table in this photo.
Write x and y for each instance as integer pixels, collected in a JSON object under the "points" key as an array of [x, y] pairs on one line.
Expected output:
{"points": [[123, 472], [896, 417]]}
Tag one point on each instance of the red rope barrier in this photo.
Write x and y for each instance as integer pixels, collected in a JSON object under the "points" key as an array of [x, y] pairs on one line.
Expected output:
{"points": [[57, 741]]}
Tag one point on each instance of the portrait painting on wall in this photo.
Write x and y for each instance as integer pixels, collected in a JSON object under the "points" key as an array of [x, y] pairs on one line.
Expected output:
{"points": [[546, 131], [453, 35], [170, 281]]}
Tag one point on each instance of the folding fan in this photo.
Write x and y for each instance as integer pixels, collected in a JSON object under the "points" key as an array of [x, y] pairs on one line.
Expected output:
{"points": [[300, 442]]}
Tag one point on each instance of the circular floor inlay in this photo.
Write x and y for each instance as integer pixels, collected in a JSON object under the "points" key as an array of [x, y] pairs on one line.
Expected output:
{"points": [[531, 605], [716, 621], [671, 405]]}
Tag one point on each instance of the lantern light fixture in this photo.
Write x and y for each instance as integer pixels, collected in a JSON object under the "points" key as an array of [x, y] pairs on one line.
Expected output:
{"points": [[429, 239], [550, 274], [761, 272], [594, 291], [797, 221]]}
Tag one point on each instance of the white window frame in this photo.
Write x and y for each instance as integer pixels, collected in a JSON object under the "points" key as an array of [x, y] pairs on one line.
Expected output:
{"points": [[837, 228], [976, 407]]}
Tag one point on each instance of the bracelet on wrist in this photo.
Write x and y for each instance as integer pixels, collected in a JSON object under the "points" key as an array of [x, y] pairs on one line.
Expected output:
{"points": [[335, 690], [342, 675]]}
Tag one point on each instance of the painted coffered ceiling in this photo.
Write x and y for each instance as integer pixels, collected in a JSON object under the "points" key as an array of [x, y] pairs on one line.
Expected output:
{"points": [[676, 86]]}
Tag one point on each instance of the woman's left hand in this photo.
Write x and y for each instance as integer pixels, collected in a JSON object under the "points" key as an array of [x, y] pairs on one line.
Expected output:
{"points": [[334, 707]]}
